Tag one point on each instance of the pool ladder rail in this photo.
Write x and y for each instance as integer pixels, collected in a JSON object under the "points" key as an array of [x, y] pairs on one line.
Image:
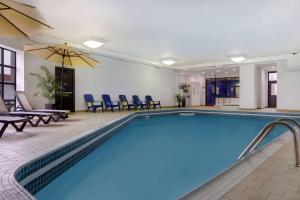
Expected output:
{"points": [[267, 130]]}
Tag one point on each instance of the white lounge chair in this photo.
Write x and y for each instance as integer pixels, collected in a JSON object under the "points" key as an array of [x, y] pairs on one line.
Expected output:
{"points": [[26, 106]]}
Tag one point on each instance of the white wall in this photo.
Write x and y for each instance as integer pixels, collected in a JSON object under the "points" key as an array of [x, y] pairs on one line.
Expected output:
{"points": [[264, 89], [248, 86], [113, 77], [288, 97], [262, 84], [196, 81]]}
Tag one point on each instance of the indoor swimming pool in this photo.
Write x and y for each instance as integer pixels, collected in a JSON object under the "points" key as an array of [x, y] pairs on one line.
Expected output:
{"points": [[158, 157]]}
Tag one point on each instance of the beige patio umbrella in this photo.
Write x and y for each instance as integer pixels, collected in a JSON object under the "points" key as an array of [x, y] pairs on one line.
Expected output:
{"points": [[61, 54], [17, 19]]}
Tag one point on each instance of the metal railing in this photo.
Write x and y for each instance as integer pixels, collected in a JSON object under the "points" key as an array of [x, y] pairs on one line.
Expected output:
{"points": [[267, 130]]}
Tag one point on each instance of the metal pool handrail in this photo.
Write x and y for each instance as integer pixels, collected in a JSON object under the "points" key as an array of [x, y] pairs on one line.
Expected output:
{"points": [[265, 132]]}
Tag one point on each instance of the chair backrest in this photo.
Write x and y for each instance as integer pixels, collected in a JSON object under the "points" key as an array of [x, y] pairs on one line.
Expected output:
{"points": [[23, 101], [136, 99], [122, 98], [3, 108], [148, 98], [88, 98], [106, 99]]}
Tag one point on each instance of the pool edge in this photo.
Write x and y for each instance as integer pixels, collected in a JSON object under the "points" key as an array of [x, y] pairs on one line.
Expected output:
{"points": [[223, 182], [26, 195]]}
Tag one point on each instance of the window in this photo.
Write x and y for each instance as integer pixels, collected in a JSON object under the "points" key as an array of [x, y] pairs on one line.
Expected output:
{"points": [[272, 76], [8, 76], [227, 87]]}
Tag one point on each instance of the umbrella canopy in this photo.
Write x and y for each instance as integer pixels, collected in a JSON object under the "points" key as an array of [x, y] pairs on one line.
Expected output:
{"points": [[59, 53], [17, 19]]}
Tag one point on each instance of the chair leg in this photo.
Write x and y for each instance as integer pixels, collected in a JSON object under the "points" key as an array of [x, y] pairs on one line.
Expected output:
{"points": [[34, 124], [112, 109], [56, 118], [62, 116], [47, 121], [19, 129], [5, 125]]}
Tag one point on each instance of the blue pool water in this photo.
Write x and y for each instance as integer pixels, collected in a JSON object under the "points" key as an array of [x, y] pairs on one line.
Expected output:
{"points": [[159, 158]]}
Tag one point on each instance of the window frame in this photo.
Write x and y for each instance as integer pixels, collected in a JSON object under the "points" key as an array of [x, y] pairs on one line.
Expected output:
{"points": [[8, 102]]}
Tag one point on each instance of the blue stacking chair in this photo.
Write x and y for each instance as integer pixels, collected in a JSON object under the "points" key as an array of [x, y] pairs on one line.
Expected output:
{"points": [[91, 103], [152, 103], [124, 103], [109, 103], [138, 103]]}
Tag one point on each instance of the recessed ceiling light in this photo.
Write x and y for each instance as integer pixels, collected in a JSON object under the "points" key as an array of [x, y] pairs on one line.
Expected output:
{"points": [[211, 73], [93, 44], [203, 72], [226, 72], [238, 59], [233, 69], [273, 67], [218, 70], [168, 61]]}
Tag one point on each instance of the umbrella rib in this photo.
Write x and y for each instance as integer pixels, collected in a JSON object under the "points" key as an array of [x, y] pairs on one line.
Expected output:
{"points": [[27, 16], [89, 57], [30, 6], [37, 49], [70, 58], [53, 52], [83, 59], [50, 48], [14, 25], [3, 5]]}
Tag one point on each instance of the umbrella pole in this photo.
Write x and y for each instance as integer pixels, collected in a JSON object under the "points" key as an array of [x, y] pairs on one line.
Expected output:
{"points": [[61, 82]]}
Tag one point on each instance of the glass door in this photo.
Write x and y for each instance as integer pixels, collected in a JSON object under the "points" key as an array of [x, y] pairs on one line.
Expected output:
{"points": [[272, 89]]}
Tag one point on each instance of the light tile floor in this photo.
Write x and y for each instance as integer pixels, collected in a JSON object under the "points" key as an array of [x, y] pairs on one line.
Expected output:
{"points": [[277, 178], [19, 148]]}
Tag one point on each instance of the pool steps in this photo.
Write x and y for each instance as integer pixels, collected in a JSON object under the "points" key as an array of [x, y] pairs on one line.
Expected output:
{"points": [[267, 130]]}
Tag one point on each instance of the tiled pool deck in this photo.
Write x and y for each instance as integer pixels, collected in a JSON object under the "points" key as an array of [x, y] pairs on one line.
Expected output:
{"points": [[276, 178]]}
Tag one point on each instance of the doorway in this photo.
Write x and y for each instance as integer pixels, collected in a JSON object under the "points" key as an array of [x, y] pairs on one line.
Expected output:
{"points": [[210, 92], [68, 99], [272, 89]]}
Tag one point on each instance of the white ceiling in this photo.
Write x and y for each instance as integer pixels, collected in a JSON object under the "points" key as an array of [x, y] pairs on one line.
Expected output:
{"points": [[213, 72], [193, 31]]}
